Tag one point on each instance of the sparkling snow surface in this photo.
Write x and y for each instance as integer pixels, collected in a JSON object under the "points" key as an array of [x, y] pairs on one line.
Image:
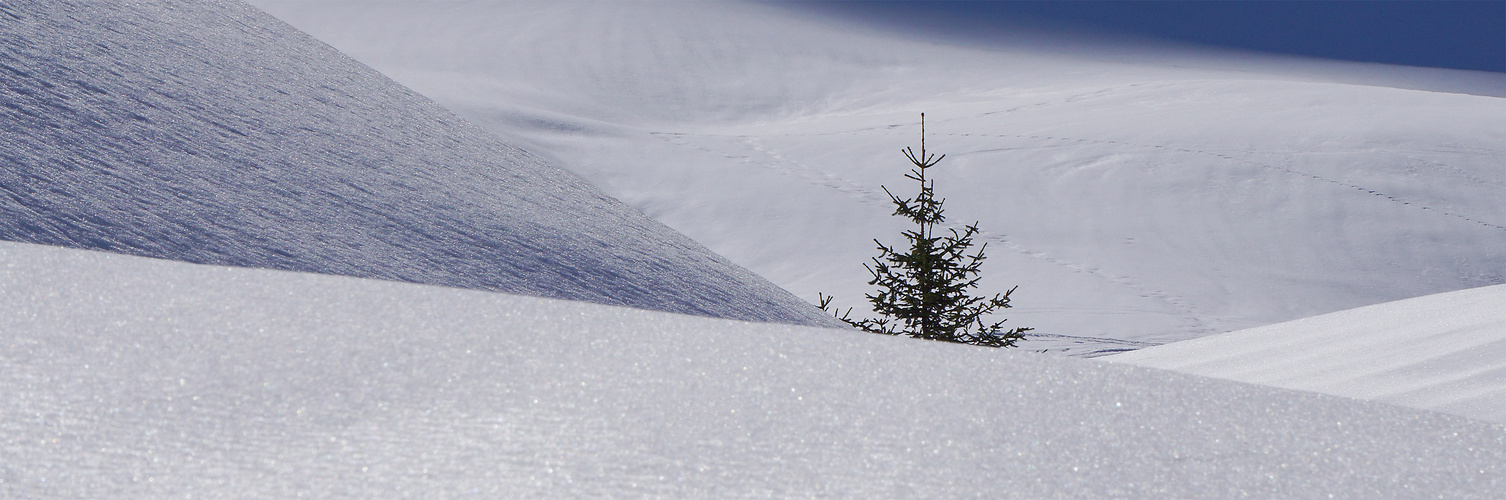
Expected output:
{"points": [[1171, 202], [1149, 198], [132, 377], [1444, 352], [210, 132]]}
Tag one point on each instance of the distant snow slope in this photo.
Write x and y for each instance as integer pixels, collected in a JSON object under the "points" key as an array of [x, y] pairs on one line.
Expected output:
{"points": [[127, 377], [208, 131], [1147, 198], [1444, 352]]}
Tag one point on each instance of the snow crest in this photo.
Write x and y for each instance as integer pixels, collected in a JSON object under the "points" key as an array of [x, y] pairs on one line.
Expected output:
{"points": [[210, 132], [1444, 352], [128, 377], [1132, 194]]}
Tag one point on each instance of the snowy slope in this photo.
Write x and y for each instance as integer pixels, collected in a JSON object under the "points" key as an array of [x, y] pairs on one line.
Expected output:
{"points": [[128, 377], [210, 132], [202, 131], [1150, 198], [1444, 352]]}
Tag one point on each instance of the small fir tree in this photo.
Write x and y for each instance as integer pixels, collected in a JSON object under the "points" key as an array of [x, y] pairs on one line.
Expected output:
{"points": [[924, 291]]}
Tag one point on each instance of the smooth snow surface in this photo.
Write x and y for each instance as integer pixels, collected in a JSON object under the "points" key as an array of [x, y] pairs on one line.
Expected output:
{"points": [[1444, 352], [1142, 198], [210, 132], [127, 377]]}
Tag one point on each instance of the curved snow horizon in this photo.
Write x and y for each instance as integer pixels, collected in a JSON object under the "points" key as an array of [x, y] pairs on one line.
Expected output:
{"points": [[151, 378], [1444, 352], [1145, 200], [1144, 194], [210, 132]]}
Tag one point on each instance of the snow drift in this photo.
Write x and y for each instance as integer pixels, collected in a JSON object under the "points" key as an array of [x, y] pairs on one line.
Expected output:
{"points": [[1443, 352], [1145, 195], [129, 377], [209, 132], [204, 132]]}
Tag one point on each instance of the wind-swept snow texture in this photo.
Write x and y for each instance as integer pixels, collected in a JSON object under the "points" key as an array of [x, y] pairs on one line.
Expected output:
{"points": [[1444, 352], [1133, 193], [127, 377], [210, 132]]}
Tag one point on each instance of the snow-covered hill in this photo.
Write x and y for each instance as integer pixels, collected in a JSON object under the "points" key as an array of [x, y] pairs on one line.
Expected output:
{"points": [[1444, 352], [128, 377], [204, 131], [210, 132], [1149, 196]]}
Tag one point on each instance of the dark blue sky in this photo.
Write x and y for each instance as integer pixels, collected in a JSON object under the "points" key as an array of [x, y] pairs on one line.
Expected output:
{"points": [[1443, 34]]}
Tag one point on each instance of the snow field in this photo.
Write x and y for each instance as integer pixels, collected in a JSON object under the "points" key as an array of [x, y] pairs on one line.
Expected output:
{"points": [[133, 377], [210, 132], [1149, 195], [1143, 202], [1443, 352]]}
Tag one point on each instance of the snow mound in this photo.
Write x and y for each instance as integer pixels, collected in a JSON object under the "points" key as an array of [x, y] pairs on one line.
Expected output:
{"points": [[210, 132], [1152, 198], [134, 377], [1443, 352]]}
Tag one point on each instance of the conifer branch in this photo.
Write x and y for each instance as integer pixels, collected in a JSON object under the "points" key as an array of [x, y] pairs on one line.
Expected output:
{"points": [[923, 292]]}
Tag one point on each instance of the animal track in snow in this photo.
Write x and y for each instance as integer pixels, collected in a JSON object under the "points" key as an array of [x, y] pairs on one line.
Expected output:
{"points": [[1185, 310]]}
